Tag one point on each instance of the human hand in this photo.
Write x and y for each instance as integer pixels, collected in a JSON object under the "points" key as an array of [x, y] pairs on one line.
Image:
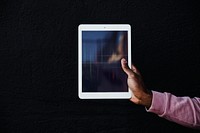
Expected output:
{"points": [[141, 95]]}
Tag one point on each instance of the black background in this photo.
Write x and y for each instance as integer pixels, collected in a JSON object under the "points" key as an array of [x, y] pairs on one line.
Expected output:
{"points": [[38, 63]]}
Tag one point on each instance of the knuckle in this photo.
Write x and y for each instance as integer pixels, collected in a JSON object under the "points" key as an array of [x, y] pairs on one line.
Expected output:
{"points": [[132, 75]]}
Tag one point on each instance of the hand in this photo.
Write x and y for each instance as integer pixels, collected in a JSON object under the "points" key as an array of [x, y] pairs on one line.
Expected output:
{"points": [[141, 95]]}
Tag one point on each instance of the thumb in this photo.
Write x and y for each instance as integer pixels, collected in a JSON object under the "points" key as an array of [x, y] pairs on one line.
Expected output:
{"points": [[125, 67]]}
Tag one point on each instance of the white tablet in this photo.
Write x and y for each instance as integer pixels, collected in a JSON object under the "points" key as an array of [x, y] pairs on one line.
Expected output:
{"points": [[100, 50]]}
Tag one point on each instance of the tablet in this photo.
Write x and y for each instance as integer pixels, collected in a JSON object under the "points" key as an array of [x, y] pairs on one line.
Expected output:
{"points": [[100, 50]]}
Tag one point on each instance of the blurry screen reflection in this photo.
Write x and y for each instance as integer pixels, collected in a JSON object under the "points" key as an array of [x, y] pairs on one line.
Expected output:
{"points": [[101, 55]]}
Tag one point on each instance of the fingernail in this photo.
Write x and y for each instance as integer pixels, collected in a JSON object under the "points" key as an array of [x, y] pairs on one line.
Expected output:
{"points": [[124, 60]]}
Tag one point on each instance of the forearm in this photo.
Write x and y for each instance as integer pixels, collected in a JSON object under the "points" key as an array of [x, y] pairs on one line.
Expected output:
{"points": [[182, 110]]}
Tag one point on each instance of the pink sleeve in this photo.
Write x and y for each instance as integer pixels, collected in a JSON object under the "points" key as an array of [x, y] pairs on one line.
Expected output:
{"points": [[182, 110]]}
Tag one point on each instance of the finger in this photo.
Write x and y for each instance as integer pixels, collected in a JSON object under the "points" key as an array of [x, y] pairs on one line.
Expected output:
{"points": [[135, 69], [135, 100], [125, 67]]}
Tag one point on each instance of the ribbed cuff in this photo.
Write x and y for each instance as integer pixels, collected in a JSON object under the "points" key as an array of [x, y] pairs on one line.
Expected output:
{"points": [[158, 103]]}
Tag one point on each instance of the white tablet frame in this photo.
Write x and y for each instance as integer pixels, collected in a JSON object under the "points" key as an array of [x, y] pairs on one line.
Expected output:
{"points": [[101, 27]]}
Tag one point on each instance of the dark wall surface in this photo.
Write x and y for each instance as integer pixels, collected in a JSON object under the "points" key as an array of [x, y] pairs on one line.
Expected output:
{"points": [[38, 63]]}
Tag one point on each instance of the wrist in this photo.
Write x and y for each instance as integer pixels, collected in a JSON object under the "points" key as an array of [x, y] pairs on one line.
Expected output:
{"points": [[147, 99]]}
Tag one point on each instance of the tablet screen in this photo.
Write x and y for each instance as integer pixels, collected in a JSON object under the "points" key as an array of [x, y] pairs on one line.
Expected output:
{"points": [[101, 55]]}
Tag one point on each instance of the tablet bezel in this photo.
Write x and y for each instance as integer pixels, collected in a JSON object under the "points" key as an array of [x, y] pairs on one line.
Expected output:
{"points": [[101, 27]]}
